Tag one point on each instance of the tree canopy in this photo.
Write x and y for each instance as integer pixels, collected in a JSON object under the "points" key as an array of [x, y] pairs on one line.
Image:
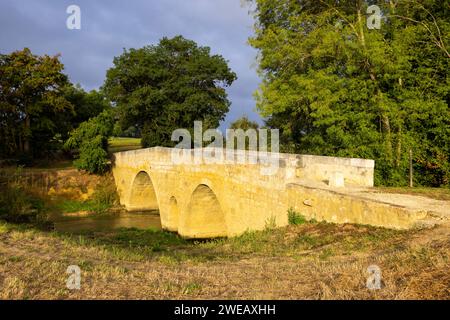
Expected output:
{"points": [[244, 123], [86, 104], [31, 97], [39, 106], [334, 87], [160, 88]]}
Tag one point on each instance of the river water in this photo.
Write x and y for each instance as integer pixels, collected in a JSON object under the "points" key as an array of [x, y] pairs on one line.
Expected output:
{"points": [[108, 222]]}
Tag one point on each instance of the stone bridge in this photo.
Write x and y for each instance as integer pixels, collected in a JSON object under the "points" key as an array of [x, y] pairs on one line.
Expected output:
{"points": [[202, 200]]}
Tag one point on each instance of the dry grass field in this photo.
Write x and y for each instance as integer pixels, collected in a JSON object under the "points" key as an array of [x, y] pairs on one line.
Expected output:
{"points": [[306, 261]]}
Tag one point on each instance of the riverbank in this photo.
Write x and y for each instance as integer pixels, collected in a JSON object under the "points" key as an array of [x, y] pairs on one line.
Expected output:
{"points": [[306, 261]]}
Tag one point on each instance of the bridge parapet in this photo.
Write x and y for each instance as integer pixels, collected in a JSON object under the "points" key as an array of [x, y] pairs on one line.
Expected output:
{"points": [[281, 166]]}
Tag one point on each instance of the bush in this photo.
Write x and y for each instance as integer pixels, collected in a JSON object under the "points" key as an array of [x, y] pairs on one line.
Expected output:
{"points": [[91, 140], [93, 157], [105, 196], [295, 218], [19, 206]]}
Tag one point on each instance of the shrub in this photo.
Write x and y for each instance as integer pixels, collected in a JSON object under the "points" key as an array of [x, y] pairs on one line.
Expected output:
{"points": [[295, 218], [19, 206], [93, 157], [91, 140], [105, 195]]}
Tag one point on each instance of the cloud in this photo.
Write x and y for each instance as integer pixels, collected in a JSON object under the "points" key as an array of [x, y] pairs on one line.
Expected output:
{"points": [[108, 26]]}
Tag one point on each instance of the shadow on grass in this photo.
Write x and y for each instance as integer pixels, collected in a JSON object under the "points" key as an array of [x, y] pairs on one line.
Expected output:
{"points": [[321, 240]]}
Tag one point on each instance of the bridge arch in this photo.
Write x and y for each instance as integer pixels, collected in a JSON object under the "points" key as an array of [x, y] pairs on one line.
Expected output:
{"points": [[203, 217], [142, 195]]}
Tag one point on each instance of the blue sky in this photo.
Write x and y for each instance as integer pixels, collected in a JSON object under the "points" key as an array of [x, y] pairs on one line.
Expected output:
{"points": [[108, 26]]}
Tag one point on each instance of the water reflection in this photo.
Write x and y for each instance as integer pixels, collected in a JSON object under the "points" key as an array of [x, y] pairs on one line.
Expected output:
{"points": [[108, 222]]}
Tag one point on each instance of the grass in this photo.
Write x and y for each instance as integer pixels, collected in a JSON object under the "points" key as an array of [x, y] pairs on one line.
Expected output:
{"points": [[434, 193], [71, 206], [103, 198], [132, 243], [53, 165], [306, 261], [117, 144], [295, 218]]}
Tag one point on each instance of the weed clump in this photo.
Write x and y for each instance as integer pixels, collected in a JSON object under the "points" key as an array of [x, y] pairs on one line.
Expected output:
{"points": [[295, 218], [19, 206], [105, 196]]}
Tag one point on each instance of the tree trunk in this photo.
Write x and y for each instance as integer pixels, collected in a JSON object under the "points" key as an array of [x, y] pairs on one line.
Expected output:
{"points": [[361, 26], [387, 136], [27, 132], [399, 147]]}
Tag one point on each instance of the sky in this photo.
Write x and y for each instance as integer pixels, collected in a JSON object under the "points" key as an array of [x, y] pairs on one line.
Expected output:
{"points": [[109, 26]]}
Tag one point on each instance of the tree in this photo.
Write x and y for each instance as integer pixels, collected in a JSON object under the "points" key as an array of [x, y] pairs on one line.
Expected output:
{"points": [[86, 105], [334, 87], [244, 123], [31, 97], [249, 131], [91, 141], [160, 88]]}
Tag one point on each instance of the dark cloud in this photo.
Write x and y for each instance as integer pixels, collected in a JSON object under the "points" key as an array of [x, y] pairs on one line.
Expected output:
{"points": [[109, 26]]}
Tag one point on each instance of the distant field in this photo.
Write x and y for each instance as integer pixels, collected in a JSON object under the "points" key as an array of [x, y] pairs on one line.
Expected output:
{"points": [[117, 144]]}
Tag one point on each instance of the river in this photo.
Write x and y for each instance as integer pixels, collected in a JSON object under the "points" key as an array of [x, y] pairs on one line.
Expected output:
{"points": [[108, 222]]}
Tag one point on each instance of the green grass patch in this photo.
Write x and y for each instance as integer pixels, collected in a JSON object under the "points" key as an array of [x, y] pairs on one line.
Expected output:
{"points": [[192, 288], [71, 206], [104, 197], [117, 144]]}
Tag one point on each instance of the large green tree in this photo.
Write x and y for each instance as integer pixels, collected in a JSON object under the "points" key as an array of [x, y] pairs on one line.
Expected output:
{"points": [[86, 105], [335, 87], [160, 88], [31, 97]]}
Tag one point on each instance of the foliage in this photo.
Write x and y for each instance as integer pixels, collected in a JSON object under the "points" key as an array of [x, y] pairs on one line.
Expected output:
{"points": [[270, 223], [105, 195], [31, 99], [334, 87], [19, 206], [86, 105], [91, 140], [244, 123], [39, 106], [160, 88], [295, 218]]}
